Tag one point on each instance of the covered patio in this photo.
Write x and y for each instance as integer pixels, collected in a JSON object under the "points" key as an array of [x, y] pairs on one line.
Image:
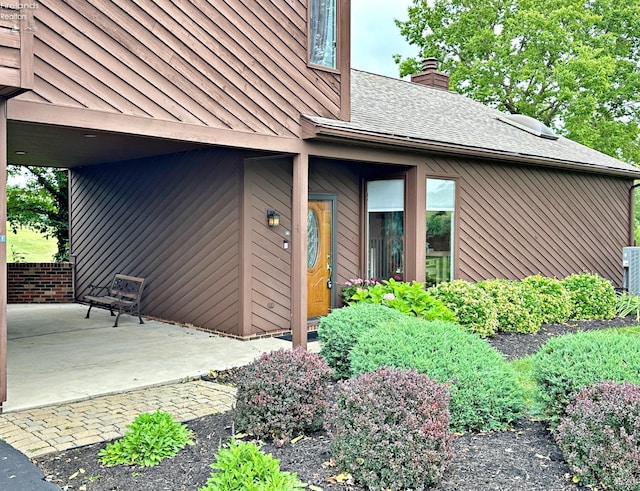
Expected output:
{"points": [[55, 355]]}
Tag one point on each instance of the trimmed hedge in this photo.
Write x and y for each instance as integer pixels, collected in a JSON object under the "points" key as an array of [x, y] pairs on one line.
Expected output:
{"points": [[390, 429], [339, 330], [282, 394], [565, 364], [516, 305], [600, 436], [592, 296], [474, 308], [553, 302], [485, 394]]}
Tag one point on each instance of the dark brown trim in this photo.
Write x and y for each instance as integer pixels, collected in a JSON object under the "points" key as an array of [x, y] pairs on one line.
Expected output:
{"points": [[364, 219], [27, 27], [299, 209], [354, 137], [37, 112], [415, 225], [344, 57], [244, 184]]}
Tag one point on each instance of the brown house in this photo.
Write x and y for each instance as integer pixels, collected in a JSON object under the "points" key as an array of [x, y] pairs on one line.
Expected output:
{"points": [[191, 128]]}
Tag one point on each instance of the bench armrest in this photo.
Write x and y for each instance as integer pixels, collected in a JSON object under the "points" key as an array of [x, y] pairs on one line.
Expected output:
{"points": [[95, 290]]}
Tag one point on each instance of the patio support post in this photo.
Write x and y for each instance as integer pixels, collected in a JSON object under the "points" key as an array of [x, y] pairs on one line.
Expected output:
{"points": [[415, 234], [299, 210], [3, 251]]}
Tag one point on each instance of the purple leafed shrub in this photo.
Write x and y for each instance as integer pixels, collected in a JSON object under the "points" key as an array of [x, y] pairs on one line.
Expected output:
{"points": [[282, 394], [600, 435], [390, 429]]}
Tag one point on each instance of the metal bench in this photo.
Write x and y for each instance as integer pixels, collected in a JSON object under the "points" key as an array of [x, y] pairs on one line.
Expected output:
{"points": [[124, 295]]}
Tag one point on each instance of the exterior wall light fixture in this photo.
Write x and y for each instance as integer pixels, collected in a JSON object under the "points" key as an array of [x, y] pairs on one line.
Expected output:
{"points": [[273, 218]]}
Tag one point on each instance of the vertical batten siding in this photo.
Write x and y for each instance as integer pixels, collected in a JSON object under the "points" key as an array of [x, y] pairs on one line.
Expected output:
{"points": [[173, 220], [232, 65], [516, 220]]}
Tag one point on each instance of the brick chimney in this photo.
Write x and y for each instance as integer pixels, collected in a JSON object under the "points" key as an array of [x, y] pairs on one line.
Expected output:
{"points": [[430, 75]]}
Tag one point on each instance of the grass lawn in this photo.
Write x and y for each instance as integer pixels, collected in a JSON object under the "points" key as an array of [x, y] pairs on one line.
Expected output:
{"points": [[29, 246]]}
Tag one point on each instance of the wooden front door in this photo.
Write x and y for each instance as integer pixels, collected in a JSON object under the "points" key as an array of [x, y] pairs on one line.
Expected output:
{"points": [[319, 257]]}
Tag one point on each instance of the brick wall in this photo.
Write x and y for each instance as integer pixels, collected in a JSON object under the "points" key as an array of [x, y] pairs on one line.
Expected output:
{"points": [[40, 283]]}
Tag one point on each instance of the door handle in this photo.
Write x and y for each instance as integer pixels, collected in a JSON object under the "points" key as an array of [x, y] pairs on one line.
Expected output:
{"points": [[329, 284]]}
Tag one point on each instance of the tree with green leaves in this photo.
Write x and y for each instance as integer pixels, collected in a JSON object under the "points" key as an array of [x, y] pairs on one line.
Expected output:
{"points": [[41, 203], [572, 64]]}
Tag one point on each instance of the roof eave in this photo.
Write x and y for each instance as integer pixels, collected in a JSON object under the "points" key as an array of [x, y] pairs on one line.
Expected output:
{"points": [[315, 131]]}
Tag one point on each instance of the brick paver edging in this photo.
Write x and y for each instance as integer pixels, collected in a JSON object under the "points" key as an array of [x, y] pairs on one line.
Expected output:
{"points": [[54, 428]]}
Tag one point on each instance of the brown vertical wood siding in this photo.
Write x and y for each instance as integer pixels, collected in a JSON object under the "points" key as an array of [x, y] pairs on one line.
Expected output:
{"points": [[173, 220], [227, 64], [515, 220]]}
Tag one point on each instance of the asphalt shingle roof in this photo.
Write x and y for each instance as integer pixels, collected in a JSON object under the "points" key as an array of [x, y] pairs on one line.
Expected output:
{"points": [[399, 109]]}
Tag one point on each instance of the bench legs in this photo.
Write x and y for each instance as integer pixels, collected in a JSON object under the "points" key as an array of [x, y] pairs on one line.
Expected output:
{"points": [[88, 311], [115, 324], [120, 312]]}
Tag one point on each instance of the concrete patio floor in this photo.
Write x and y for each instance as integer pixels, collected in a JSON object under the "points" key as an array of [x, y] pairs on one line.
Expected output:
{"points": [[55, 355]]}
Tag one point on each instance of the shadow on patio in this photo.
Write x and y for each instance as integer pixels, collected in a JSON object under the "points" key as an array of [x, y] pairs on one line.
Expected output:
{"points": [[56, 355]]}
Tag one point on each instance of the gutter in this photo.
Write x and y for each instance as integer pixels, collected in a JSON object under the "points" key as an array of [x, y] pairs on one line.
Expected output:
{"points": [[312, 130]]}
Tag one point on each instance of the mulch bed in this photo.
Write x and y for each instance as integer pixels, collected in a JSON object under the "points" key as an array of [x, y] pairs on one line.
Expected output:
{"points": [[523, 458]]}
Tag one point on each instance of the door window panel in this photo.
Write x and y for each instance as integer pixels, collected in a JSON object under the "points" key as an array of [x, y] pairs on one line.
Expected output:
{"points": [[312, 239]]}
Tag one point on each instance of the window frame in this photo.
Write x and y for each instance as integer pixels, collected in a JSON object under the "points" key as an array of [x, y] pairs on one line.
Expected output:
{"points": [[454, 221], [337, 38]]}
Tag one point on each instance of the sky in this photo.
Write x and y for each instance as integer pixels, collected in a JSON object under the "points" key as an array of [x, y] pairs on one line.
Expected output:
{"points": [[374, 36]]}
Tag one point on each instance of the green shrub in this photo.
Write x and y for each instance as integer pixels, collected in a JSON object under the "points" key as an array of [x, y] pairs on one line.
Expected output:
{"points": [[565, 364], [242, 466], [592, 296], [353, 285], [473, 307], [515, 305], [282, 394], [408, 298], [600, 436], [390, 429], [553, 301], [628, 304], [149, 439], [339, 331], [485, 394]]}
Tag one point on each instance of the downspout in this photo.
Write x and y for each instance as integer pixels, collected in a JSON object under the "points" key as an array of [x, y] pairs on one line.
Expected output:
{"points": [[632, 240], [3, 251]]}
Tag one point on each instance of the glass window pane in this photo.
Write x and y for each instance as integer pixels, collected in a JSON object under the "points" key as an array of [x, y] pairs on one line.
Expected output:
{"points": [[440, 230], [313, 239], [385, 226], [385, 195], [322, 33], [441, 194]]}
